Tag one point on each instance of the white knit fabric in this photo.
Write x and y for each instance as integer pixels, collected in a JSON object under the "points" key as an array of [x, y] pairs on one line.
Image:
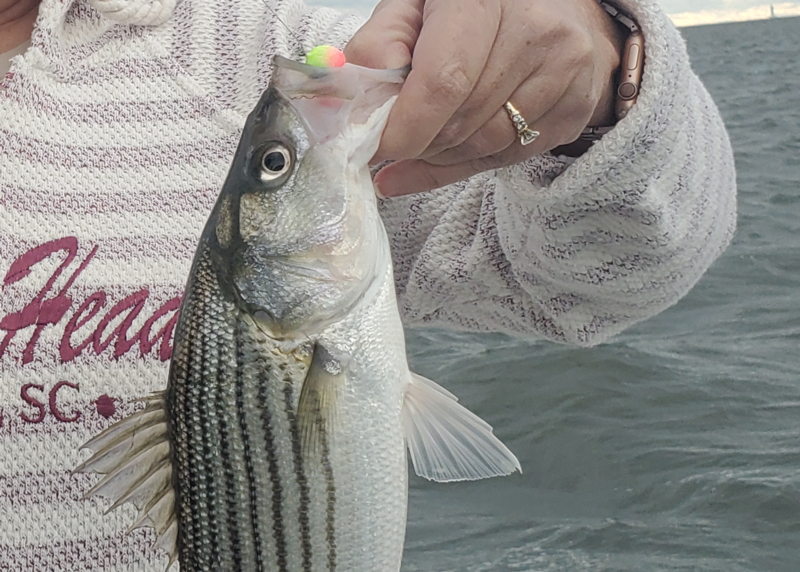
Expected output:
{"points": [[138, 12], [114, 140]]}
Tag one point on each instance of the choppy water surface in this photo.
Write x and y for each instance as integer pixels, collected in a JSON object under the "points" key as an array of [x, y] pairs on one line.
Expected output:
{"points": [[676, 446]]}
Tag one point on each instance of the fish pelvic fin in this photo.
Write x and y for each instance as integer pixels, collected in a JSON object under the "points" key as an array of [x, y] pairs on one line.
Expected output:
{"points": [[133, 457], [446, 441], [318, 408]]}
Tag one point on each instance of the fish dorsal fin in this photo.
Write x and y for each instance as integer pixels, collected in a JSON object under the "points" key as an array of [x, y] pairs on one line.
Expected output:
{"points": [[133, 455], [446, 441], [318, 409]]}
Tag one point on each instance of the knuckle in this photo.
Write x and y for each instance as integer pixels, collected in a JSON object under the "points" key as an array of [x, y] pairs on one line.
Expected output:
{"points": [[454, 83], [478, 145], [359, 45], [585, 48], [581, 53], [491, 138], [583, 108], [449, 136], [576, 45], [493, 162], [431, 178], [569, 135], [569, 130]]}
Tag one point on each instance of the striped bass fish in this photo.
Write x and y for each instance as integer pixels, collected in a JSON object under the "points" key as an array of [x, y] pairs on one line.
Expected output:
{"points": [[280, 442]]}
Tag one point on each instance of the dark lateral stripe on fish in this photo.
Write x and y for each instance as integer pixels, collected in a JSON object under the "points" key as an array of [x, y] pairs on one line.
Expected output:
{"points": [[176, 400], [235, 547], [248, 457], [210, 421], [302, 480], [183, 433], [330, 489], [201, 549], [278, 532]]}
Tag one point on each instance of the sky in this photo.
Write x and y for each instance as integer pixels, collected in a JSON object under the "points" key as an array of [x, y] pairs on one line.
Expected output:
{"points": [[682, 12]]}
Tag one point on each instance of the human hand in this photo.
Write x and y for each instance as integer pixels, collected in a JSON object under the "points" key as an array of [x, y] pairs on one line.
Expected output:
{"points": [[553, 59]]}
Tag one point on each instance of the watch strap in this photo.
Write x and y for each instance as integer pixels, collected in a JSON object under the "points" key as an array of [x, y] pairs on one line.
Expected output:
{"points": [[629, 77]]}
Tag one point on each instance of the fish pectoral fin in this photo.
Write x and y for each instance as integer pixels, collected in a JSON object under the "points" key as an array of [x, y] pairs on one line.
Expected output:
{"points": [[446, 441], [318, 409], [133, 456]]}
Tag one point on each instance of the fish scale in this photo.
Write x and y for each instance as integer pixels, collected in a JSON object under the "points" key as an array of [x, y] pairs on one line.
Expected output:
{"points": [[281, 438]]}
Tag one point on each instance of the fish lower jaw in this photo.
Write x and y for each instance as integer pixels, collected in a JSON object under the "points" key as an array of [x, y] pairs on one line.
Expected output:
{"points": [[288, 331], [286, 340]]}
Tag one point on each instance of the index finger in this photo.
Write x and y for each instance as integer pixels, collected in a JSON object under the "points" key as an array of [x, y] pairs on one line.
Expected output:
{"points": [[453, 46], [387, 39]]}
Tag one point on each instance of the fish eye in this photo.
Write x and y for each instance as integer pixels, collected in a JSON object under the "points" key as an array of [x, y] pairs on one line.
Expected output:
{"points": [[276, 161]]}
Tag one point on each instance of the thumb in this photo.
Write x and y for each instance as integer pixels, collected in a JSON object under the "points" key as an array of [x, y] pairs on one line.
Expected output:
{"points": [[416, 176], [387, 39]]}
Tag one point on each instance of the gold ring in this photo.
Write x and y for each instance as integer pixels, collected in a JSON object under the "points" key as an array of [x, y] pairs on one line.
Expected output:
{"points": [[526, 134]]}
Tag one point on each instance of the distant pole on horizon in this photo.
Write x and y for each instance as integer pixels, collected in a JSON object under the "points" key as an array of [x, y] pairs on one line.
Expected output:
{"points": [[771, 11]]}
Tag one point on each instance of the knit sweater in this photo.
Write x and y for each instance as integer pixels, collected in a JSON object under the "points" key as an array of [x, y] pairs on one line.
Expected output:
{"points": [[117, 127]]}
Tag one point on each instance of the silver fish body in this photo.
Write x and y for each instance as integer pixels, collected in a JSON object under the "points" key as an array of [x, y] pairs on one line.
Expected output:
{"points": [[254, 489], [280, 442]]}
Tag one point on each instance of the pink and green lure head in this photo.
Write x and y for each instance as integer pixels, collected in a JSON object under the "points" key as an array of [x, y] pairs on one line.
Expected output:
{"points": [[325, 57]]}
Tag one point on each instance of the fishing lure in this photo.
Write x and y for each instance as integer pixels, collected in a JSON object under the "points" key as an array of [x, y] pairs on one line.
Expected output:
{"points": [[323, 56]]}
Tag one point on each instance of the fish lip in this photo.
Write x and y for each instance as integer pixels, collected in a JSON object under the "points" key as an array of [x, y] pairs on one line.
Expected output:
{"points": [[297, 83], [315, 72]]}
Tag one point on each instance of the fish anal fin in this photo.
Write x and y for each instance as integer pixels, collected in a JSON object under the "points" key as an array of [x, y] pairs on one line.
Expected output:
{"points": [[318, 408], [446, 441], [169, 542], [133, 457]]}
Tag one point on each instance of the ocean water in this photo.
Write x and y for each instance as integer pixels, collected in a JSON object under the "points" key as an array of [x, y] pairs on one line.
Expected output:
{"points": [[677, 445]]}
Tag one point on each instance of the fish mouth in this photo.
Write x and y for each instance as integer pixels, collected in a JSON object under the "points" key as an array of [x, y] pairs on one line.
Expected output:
{"points": [[328, 99]]}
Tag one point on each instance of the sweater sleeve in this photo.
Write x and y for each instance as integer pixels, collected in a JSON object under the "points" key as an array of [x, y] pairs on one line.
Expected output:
{"points": [[577, 250]]}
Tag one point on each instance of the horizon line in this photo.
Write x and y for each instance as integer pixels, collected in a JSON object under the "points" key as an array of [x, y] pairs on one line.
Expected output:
{"points": [[726, 16]]}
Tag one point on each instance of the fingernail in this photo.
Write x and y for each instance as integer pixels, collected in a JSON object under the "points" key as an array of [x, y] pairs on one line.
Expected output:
{"points": [[378, 192], [397, 57], [382, 188]]}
